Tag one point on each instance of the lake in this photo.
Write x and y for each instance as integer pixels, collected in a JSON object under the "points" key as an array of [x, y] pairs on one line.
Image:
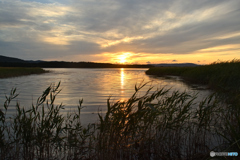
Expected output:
{"points": [[94, 86]]}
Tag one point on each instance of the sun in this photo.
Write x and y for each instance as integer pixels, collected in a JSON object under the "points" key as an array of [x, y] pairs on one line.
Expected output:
{"points": [[122, 59]]}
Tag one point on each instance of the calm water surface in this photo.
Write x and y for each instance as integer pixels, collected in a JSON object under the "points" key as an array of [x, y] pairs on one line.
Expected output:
{"points": [[94, 86]]}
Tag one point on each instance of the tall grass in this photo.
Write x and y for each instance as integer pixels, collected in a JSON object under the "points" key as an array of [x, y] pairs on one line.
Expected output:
{"points": [[221, 76], [6, 72], [157, 125]]}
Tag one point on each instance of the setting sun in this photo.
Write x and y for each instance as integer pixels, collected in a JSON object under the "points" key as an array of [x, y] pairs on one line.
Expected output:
{"points": [[122, 59]]}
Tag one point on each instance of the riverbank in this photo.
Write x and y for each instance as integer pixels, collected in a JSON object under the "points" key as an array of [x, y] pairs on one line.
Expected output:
{"points": [[220, 76], [6, 72], [137, 128], [160, 124]]}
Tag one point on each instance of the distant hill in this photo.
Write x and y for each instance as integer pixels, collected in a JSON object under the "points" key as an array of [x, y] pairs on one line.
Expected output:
{"points": [[15, 62], [11, 60], [38, 61], [175, 65]]}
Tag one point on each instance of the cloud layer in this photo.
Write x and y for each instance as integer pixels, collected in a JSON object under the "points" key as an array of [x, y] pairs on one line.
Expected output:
{"points": [[91, 29]]}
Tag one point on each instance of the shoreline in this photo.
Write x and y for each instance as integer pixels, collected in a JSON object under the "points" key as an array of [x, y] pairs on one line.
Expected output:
{"points": [[221, 77], [9, 72]]}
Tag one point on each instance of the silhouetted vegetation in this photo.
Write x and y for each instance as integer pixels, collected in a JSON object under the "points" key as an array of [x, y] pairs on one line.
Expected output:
{"points": [[15, 62], [157, 125], [176, 65], [221, 76], [6, 72], [73, 65]]}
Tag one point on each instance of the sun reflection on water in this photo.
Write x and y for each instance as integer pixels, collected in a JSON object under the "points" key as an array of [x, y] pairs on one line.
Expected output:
{"points": [[119, 83], [122, 80]]}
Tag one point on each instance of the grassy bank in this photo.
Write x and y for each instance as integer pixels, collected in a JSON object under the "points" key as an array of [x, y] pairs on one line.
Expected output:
{"points": [[221, 76], [6, 72], [157, 125]]}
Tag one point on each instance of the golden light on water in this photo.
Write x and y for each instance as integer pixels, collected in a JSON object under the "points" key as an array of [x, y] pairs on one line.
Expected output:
{"points": [[123, 94], [122, 80]]}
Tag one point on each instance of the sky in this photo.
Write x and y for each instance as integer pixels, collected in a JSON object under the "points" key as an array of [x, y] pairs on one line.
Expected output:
{"points": [[121, 31]]}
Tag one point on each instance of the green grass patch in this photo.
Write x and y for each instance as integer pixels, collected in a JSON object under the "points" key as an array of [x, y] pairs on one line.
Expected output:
{"points": [[221, 76], [6, 72], [157, 125]]}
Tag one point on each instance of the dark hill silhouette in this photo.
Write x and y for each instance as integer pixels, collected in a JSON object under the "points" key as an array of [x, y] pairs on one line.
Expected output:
{"points": [[10, 59], [15, 62], [176, 65]]}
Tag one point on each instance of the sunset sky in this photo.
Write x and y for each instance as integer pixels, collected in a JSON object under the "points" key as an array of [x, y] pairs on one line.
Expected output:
{"points": [[121, 31]]}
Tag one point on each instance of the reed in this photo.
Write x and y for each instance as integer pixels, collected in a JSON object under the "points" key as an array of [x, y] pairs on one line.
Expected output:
{"points": [[220, 76], [6, 72], [160, 124]]}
